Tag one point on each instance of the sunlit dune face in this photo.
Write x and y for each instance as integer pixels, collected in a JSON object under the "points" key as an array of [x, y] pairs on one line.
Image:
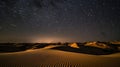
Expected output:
{"points": [[50, 46], [115, 42], [99, 45], [74, 45], [30, 50]]}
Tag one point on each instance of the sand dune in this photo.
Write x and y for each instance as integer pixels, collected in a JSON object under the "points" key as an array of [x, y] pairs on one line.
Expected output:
{"points": [[48, 56], [74, 45]]}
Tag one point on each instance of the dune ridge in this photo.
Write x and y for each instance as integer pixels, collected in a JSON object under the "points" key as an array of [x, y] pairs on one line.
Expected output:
{"points": [[61, 55]]}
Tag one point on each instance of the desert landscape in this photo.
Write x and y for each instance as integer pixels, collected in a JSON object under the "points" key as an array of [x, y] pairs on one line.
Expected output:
{"points": [[87, 54], [59, 33]]}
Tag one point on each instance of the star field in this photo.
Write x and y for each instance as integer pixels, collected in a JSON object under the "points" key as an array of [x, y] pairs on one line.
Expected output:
{"points": [[59, 20]]}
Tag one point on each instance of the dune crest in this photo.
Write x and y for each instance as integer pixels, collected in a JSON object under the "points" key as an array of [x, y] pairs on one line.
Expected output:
{"points": [[74, 45], [97, 44]]}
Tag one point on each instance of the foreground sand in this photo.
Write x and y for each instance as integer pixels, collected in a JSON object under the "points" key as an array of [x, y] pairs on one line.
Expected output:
{"points": [[47, 57]]}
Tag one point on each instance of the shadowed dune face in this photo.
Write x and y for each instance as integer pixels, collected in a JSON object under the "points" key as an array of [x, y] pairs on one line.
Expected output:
{"points": [[18, 47], [98, 45], [93, 48], [119, 48], [86, 50], [58, 55]]}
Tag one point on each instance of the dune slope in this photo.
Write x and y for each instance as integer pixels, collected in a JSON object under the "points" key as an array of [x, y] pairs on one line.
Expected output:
{"points": [[49, 57]]}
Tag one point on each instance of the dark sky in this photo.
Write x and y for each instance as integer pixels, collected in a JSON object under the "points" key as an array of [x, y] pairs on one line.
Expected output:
{"points": [[59, 20]]}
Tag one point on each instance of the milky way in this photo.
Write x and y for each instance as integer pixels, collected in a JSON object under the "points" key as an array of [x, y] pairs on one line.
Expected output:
{"points": [[59, 20]]}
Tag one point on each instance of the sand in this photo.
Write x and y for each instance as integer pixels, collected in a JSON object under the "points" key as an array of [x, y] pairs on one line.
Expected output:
{"points": [[47, 57]]}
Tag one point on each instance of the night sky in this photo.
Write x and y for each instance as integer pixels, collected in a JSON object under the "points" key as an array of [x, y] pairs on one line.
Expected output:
{"points": [[59, 20]]}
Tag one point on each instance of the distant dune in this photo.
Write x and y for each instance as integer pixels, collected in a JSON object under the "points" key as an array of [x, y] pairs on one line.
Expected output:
{"points": [[88, 54]]}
